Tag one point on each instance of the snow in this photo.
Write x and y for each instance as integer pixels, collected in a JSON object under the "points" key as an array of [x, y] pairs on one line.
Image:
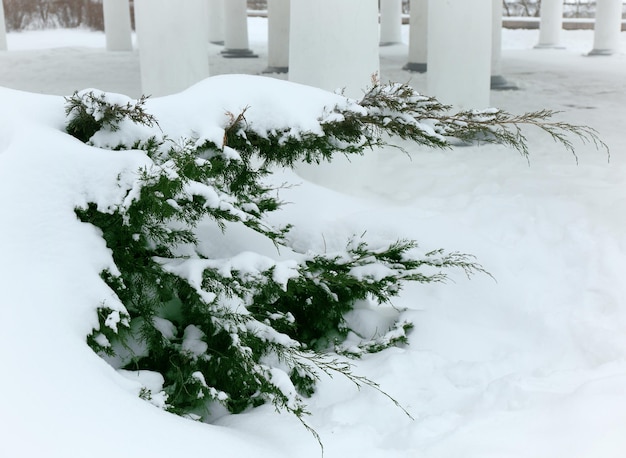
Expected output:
{"points": [[212, 102], [151, 383], [192, 341], [530, 365]]}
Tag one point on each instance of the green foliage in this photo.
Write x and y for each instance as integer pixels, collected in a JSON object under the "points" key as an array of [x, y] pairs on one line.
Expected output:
{"points": [[396, 110], [248, 330], [317, 300], [91, 111]]}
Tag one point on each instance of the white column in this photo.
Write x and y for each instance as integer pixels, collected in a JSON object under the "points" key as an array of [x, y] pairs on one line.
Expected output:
{"points": [[418, 36], [334, 44], [459, 52], [608, 27], [236, 29], [550, 24], [117, 25], [498, 82], [390, 22], [3, 30], [216, 22], [278, 12], [173, 50]]}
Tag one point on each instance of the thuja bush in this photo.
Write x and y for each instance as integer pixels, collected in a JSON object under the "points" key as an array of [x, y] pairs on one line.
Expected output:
{"points": [[249, 329]]}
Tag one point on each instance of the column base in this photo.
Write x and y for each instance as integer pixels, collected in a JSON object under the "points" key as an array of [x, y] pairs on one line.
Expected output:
{"points": [[238, 53], [601, 52], [500, 83], [415, 67], [389, 43], [276, 70], [220, 43], [548, 46]]}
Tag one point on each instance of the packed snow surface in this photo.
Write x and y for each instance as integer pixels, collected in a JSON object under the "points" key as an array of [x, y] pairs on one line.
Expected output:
{"points": [[532, 365]]}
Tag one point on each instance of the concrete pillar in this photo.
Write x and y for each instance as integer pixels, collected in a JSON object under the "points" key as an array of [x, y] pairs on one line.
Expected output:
{"points": [[278, 15], [607, 28], [418, 36], [459, 52], [550, 24], [390, 22], [236, 42], [3, 30], [498, 82], [334, 44], [216, 22], [172, 37], [117, 27]]}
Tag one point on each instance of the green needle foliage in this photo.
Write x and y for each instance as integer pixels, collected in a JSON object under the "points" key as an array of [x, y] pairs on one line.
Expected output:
{"points": [[249, 330], [90, 112]]}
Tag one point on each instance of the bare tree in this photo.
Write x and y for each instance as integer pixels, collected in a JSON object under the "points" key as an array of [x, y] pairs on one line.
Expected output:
{"points": [[38, 14]]}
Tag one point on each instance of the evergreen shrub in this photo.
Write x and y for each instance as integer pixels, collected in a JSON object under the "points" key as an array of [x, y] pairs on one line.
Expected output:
{"points": [[250, 329]]}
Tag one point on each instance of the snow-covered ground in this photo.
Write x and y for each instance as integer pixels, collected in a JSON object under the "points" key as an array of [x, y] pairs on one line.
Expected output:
{"points": [[530, 366]]}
